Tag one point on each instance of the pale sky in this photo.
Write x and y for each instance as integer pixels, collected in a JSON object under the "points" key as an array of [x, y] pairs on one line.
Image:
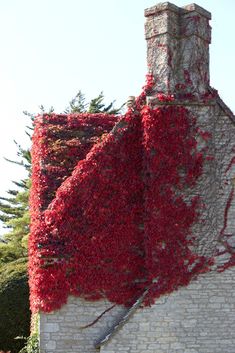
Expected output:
{"points": [[52, 48]]}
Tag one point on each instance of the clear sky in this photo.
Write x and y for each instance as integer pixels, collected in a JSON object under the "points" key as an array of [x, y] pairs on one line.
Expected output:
{"points": [[52, 48]]}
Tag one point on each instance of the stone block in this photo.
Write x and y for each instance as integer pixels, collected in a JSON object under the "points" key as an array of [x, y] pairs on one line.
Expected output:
{"points": [[50, 327], [50, 345]]}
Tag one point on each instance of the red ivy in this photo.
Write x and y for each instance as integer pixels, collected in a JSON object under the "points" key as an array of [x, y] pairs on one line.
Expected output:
{"points": [[119, 223], [171, 163]]}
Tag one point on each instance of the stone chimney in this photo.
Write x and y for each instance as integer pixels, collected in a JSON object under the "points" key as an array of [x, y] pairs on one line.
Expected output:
{"points": [[178, 49]]}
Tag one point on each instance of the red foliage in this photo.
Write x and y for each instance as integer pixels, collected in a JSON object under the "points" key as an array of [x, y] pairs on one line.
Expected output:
{"points": [[59, 142], [171, 163], [119, 223], [165, 97]]}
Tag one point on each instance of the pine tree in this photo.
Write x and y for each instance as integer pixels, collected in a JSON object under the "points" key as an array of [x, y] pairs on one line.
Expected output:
{"points": [[15, 216]]}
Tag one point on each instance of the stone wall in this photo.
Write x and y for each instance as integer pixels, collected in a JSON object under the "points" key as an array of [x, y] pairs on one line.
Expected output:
{"points": [[197, 319], [61, 330]]}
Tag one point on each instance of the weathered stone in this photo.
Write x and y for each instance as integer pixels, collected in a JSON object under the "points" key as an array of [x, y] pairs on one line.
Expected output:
{"points": [[178, 48]]}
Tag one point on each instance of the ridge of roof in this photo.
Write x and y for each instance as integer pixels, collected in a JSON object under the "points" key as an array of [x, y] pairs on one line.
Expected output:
{"points": [[221, 104]]}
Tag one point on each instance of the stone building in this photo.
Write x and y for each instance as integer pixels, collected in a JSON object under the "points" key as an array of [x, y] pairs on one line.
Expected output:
{"points": [[199, 317]]}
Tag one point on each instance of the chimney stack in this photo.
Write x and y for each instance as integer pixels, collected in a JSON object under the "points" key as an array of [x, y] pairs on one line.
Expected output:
{"points": [[178, 49]]}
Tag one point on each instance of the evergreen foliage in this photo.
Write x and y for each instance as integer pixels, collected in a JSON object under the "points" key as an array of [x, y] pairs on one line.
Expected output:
{"points": [[32, 343], [79, 105], [14, 305], [15, 217]]}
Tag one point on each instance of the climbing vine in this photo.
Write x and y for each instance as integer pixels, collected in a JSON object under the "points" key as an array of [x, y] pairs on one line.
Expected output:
{"points": [[111, 215]]}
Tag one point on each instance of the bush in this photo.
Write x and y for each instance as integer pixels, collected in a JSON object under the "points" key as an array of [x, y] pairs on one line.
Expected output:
{"points": [[32, 345], [14, 305]]}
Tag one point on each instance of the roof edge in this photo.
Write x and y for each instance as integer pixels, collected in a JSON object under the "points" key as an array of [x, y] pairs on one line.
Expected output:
{"points": [[222, 105]]}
